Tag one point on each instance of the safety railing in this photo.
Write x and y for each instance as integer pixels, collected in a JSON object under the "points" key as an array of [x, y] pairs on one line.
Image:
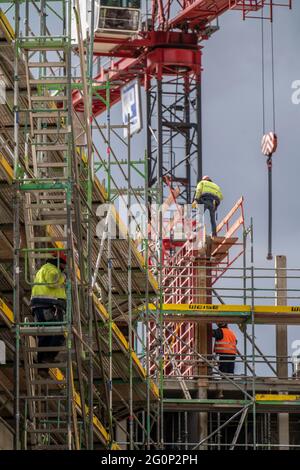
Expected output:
{"points": [[251, 8], [246, 295]]}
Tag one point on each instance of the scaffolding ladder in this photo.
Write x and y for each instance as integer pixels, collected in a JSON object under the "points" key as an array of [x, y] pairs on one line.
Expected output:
{"points": [[45, 194]]}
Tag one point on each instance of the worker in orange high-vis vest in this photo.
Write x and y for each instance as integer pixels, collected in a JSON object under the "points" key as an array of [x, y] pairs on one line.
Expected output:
{"points": [[225, 347]]}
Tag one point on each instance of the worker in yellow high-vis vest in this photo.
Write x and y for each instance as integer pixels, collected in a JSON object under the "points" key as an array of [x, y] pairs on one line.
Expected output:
{"points": [[210, 195], [48, 303]]}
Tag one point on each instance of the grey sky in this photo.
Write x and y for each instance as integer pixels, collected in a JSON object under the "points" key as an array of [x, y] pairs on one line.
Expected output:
{"points": [[232, 131], [232, 123]]}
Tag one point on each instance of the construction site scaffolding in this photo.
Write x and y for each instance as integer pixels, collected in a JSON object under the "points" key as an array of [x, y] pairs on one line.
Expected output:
{"points": [[158, 316]]}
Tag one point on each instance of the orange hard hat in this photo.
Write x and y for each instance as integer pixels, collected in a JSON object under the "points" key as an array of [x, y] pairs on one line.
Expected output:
{"points": [[206, 178]]}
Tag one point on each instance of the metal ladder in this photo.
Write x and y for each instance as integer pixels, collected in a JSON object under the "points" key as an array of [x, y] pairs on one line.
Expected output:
{"points": [[46, 194]]}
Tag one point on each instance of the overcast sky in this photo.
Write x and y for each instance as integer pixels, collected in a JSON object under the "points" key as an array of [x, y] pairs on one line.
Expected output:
{"points": [[232, 130], [232, 123]]}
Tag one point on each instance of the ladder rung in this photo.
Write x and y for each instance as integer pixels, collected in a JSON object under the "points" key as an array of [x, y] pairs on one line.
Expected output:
{"points": [[39, 256], [47, 222], [42, 330], [52, 164], [47, 131], [49, 81], [43, 43], [43, 47], [51, 447], [48, 239], [46, 64], [53, 213], [46, 206], [53, 197], [50, 365], [44, 349], [48, 382], [52, 148], [48, 431], [51, 414], [49, 114], [44, 397], [48, 98]]}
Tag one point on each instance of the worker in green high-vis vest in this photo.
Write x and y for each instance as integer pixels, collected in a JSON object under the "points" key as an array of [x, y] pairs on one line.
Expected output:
{"points": [[48, 302]]}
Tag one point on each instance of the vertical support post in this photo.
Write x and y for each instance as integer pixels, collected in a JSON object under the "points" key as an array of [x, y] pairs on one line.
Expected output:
{"points": [[253, 335], [109, 259], [160, 232], [187, 119], [202, 344], [281, 346], [17, 318], [17, 233], [129, 274], [90, 58], [146, 318], [199, 127], [244, 327]]}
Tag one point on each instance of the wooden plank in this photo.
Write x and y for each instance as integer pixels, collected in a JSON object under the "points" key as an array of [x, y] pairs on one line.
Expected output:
{"points": [[282, 347]]}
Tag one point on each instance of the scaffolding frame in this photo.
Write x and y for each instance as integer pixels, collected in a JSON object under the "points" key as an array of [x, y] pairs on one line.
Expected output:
{"points": [[146, 428]]}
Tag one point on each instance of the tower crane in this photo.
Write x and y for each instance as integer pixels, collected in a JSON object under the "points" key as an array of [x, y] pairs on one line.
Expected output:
{"points": [[164, 51]]}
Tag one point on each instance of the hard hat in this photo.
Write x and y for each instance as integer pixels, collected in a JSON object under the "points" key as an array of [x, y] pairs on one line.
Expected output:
{"points": [[61, 255], [206, 178]]}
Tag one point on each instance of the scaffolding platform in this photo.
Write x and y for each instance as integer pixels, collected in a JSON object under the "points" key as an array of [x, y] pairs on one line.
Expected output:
{"points": [[231, 405], [214, 313], [263, 385]]}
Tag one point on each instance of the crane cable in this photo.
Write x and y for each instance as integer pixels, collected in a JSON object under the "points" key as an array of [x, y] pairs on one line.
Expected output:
{"points": [[272, 75], [269, 157]]}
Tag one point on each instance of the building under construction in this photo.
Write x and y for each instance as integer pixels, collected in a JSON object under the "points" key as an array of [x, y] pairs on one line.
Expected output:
{"points": [[144, 281]]}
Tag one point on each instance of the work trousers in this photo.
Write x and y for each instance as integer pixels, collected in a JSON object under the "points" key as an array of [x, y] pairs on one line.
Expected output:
{"points": [[49, 314], [226, 363], [210, 203]]}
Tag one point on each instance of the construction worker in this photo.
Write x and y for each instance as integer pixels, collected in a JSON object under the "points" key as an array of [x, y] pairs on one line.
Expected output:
{"points": [[225, 347], [48, 302], [209, 194]]}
